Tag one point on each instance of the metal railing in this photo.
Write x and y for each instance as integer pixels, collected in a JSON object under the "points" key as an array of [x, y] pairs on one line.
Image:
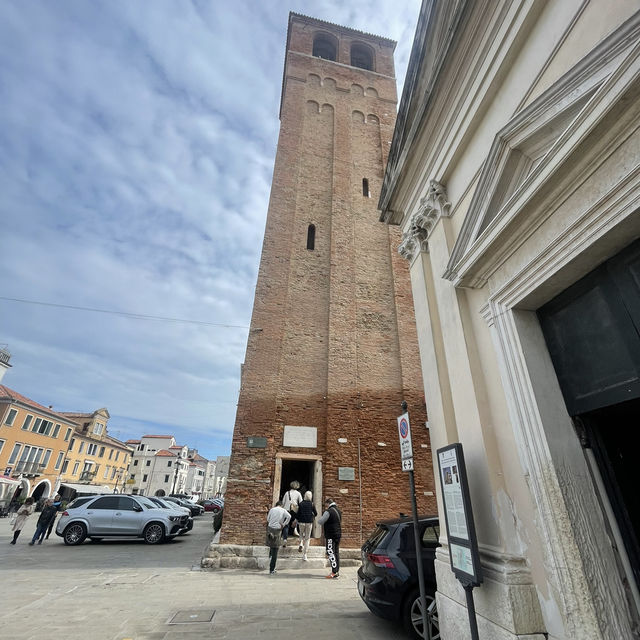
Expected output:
{"points": [[87, 476], [29, 468]]}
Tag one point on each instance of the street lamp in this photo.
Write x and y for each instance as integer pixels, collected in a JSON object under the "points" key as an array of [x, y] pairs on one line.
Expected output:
{"points": [[175, 476]]}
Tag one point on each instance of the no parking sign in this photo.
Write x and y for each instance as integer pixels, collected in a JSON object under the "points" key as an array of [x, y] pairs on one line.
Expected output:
{"points": [[406, 449]]}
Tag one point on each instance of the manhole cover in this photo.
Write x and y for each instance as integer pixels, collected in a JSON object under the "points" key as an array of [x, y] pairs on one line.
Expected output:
{"points": [[193, 615]]}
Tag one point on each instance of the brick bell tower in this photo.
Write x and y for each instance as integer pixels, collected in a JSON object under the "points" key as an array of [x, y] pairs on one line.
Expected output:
{"points": [[332, 349]]}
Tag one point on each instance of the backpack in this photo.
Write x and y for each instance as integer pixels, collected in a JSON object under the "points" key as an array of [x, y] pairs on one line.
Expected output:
{"points": [[293, 506]]}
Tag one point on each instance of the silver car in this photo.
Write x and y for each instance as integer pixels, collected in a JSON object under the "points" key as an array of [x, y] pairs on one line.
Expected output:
{"points": [[119, 516], [163, 504]]}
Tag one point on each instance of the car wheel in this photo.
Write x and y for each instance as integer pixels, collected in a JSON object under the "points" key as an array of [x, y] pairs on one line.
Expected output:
{"points": [[153, 533], [74, 534], [413, 617]]}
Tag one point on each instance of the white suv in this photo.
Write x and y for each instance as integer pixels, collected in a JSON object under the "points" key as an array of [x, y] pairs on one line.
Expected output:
{"points": [[118, 516]]}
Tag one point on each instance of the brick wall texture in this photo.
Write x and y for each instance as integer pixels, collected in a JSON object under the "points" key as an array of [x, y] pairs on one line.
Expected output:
{"points": [[333, 341]]}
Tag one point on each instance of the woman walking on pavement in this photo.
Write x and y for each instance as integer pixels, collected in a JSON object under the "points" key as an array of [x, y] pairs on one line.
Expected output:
{"points": [[277, 521], [21, 518], [331, 519], [306, 513]]}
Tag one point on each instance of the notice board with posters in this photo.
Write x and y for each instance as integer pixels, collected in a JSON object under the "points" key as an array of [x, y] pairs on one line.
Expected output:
{"points": [[461, 531]]}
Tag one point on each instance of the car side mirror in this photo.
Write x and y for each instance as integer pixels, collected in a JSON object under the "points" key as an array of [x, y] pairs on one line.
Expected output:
{"points": [[137, 507]]}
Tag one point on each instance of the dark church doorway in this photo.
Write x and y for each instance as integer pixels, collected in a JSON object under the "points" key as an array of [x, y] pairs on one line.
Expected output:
{"points": [[592, 330], [612, 433], [300, 470]]}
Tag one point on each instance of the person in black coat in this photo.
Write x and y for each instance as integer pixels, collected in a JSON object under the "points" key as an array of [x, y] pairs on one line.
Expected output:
{"points": [[305, 516], [57, 503], [46, 515], [331, 519]]}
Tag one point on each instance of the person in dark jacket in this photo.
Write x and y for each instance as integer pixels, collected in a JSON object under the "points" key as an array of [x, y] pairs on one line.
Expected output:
{"points": [[306, 513], [331, 520], [57, 503], [48, 512]]}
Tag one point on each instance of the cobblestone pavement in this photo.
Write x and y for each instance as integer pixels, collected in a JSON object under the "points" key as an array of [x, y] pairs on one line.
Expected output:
{"points": [[128, 590]]}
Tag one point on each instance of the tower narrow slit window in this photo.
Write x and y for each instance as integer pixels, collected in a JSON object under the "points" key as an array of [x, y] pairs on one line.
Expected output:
{"points": [[311, 237], [365, 188]]}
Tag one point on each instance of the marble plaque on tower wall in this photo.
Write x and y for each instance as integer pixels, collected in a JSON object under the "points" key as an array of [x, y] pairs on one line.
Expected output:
{"points": [[346, 473], [300, 437]]}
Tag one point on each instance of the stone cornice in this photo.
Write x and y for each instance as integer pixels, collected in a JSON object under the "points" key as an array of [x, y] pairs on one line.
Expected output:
{"points": [[568, 112], [435, 33]]}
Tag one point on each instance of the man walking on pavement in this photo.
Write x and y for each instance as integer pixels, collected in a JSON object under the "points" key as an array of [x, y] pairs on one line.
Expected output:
{"points": [[277, 519], [48, 513], [331, 519], [57, 503]]}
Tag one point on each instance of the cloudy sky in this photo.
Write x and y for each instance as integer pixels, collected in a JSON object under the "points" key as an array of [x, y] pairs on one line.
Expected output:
{"points": [[137, 140]]}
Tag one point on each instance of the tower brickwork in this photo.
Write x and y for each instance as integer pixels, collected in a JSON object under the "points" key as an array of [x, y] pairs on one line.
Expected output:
{"points": [[332, 349]]}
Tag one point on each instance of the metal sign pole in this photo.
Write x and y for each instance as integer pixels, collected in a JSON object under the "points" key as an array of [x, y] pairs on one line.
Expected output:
{"points": [[416, 537], [471, 609]]}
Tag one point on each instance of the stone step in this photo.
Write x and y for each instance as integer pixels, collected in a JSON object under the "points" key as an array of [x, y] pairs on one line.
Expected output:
{"points": [[234, 556]]}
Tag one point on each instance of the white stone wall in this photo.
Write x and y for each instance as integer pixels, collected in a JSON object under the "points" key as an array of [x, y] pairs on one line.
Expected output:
{"points": [[556, 83]]}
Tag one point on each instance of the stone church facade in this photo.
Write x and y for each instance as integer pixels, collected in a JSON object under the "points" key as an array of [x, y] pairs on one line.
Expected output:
{"points": [[514, 174], [332, 349]]}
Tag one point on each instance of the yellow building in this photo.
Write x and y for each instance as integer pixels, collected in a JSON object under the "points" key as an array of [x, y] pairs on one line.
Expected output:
{"points": [[95, 462], [33, 446]]}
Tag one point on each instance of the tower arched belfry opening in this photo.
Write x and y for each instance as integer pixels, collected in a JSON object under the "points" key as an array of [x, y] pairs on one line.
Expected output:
{"points": [[362, 56], [325, 46]]}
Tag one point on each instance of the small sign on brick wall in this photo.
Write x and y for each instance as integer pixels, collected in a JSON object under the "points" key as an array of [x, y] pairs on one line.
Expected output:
{"points": [[255, 442], [346, 473], [300, 437]]}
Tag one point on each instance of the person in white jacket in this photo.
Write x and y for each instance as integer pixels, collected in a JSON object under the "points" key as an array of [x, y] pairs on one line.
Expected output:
{"points": [[290, 502], [21, 518], [277, 521]]}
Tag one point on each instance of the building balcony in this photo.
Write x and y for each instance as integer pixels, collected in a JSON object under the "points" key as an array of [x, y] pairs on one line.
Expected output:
{"points": [[87, 476], [28, 468]]}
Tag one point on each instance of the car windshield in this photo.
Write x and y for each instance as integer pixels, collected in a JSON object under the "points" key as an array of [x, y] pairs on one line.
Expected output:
{"points": [[147, 503]]}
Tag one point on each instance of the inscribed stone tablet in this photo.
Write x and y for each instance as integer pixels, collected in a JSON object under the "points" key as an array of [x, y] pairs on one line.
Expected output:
{"points": [[300, 437], [346, 473]]}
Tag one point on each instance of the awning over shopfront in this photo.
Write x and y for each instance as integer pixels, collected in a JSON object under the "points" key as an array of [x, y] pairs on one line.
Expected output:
{"points": [[8, 487], [87, 489]]}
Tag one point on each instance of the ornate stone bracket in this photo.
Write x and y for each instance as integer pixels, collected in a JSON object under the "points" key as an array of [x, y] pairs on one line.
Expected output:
{"points": [[433, 206]]}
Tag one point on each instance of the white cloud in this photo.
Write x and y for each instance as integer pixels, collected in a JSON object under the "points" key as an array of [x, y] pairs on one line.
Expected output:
{"points": [[137, 145]]}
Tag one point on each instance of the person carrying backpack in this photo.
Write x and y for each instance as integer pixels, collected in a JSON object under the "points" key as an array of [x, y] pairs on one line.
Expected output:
{"points": [[290, 502]]}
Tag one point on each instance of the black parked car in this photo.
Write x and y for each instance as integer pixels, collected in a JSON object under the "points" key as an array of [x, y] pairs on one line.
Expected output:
{"points": [[195, 509], [388, 577]]}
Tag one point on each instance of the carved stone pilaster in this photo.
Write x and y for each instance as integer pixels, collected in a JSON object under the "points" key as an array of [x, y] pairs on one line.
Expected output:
{"points": [[433, 206]]}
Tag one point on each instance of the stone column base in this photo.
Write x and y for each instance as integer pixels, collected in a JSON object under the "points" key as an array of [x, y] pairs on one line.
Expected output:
{"points": [[454, 624]]}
